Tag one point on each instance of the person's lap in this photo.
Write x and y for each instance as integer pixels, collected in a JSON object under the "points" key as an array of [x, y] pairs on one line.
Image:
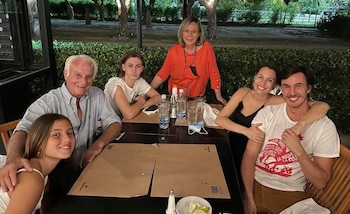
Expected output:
{"points": [[274, 201]]}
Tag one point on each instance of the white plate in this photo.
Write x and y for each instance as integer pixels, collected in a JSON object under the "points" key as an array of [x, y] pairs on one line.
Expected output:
{"points": [[182, 206]]}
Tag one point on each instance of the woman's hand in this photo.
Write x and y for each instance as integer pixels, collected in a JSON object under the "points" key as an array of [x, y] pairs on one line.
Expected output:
{"points": [[297, 128], [221, 100], [254, 133]]}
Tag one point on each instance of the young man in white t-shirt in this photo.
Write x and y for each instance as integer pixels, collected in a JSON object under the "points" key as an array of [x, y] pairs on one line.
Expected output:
{"points": [[275, 172]]}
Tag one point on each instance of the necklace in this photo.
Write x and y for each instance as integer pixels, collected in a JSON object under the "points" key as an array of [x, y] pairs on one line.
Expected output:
{"points": [[194, 58]]}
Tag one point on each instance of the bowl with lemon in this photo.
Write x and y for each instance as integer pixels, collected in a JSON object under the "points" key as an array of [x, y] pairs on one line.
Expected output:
{"points": [[193, 205]]}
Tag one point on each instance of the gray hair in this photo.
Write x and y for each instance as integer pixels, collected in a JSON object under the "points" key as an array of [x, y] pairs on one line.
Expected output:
{"points": [[184, 24], [84, 57]]}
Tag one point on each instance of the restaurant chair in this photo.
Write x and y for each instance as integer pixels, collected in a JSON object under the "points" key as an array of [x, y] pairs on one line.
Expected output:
{"points": [[6, 130], [336, 195]]}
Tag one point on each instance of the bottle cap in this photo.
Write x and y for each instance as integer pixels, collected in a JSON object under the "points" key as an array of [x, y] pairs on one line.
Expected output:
{"points": [[163, 96], [174, 90]]}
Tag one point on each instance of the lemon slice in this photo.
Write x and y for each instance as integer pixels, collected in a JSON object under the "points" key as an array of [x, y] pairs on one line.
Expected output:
{"points": [[199, 212], [193, 206]]}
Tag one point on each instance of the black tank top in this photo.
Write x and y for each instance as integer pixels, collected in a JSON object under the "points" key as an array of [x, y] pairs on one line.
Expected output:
{"points": [[238, 142], [239, 118]]}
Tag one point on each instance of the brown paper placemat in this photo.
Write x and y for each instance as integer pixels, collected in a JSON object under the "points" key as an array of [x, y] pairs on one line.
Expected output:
{"points": [[125, 170], [121, 170], [189, 169]]}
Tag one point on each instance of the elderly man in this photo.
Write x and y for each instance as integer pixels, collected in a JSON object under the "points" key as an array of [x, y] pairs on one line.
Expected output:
{"points": [[86, 107], [275, 172]]}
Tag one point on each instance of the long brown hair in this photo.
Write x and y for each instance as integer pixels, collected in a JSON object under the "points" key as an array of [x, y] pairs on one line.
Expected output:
{"points": [[39, 134]]}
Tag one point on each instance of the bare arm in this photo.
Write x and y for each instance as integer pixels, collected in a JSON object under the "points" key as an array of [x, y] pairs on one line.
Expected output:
{"points": [[156, 82], [318, 171], [317, 111], [154, 98], [128, 110], [25, 197], [219, 96], [16, 146], [8, 178], [108, 135], [248, 171], [223, 118]]}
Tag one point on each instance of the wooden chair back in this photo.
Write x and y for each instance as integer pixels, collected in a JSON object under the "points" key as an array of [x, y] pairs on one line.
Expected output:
{"points": [[6, 130], [336, 195]]}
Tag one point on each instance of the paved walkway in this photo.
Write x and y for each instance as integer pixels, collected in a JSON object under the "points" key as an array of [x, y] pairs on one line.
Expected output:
{"points": [[233, 36]]}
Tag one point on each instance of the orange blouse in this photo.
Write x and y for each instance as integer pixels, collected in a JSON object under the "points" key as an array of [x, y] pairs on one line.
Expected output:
{"points": [[177, 66]]}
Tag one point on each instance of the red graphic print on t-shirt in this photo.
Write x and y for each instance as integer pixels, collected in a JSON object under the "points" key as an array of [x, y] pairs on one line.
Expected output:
{"points": [[276, 158]]}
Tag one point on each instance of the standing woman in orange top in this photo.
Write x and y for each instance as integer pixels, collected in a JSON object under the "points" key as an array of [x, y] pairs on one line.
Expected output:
{"points": [[190, 63]]}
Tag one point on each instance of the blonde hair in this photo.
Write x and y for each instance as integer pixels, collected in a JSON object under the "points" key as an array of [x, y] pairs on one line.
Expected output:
{"points": [[87, 58], [184, 24]]}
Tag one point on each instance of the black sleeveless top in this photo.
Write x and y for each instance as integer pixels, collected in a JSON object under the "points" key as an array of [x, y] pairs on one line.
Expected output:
{"points": [[238, 142], [239, 118]]}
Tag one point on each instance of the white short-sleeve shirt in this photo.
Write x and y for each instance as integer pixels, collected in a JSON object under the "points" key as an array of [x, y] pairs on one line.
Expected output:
{"points": [[140, 88], [276, 166]]}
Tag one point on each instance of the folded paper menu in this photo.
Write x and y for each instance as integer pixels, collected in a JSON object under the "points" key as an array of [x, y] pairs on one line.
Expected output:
{"points": [[125, 170]]}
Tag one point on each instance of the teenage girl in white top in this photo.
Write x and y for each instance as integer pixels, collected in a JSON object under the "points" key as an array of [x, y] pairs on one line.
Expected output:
{"points": [[50, 139]]}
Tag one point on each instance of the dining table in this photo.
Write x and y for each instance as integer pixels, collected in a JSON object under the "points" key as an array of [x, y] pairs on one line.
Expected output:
{"points": [[147, 131]]}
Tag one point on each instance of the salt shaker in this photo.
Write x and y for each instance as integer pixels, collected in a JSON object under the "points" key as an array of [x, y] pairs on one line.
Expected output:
{"points": [[171, 203]]}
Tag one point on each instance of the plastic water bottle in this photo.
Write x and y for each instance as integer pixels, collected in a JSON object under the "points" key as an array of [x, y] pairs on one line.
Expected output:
{"points": [[163, 110], [181, 105]]}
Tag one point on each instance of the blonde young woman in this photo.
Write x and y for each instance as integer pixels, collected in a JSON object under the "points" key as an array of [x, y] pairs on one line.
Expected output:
{"points": [[50, 139], [129, 93], [245, 103], [190, 63]]}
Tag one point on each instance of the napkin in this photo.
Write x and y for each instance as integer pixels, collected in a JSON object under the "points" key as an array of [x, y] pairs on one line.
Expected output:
{"points": [[2, 160], [305, 206], [148, 111], [210, 115]]}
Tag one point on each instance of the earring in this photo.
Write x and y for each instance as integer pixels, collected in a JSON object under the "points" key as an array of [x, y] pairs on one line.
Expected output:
{"points": [[38, 154]]}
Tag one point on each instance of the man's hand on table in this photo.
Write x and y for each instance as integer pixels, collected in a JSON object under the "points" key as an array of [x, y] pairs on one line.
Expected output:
{"points": [[8, 174], [90, 154]]}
